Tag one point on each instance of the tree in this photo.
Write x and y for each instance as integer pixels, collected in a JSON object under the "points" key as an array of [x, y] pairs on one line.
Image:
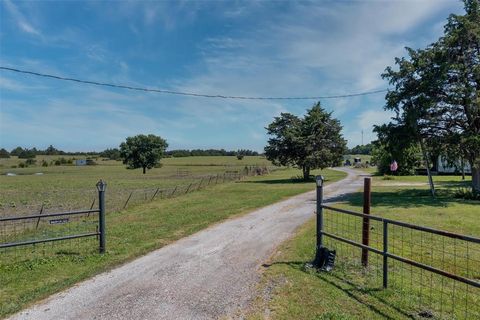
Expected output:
{"points": [[51, 151], [112, 154], [16, 151], [142, 151], [395, 143], [4, 154], [27, 153], [309, 143], [361, 149], [437, 91]]}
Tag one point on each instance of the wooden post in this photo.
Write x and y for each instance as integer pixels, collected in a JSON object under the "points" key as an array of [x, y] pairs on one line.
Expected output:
{"points": [[367, 184]]}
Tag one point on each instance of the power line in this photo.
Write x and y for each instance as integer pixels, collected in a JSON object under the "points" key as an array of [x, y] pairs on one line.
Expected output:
{"points": [[192, 94]]}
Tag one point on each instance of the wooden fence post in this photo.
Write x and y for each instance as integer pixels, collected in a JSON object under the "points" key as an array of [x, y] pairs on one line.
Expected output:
{"points": [[367, 184]]}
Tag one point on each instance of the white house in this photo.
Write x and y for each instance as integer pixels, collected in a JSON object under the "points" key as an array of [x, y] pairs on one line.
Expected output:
{"points": [[442, 166]]}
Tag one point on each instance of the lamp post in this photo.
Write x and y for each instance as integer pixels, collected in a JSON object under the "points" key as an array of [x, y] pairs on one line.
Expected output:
{"points": [[101, 187], [318, 262]]}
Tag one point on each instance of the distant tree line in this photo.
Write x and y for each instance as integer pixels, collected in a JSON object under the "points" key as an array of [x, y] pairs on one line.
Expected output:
{"points": [[209, 152], [26, 153], [114, 153], [361, 149]]}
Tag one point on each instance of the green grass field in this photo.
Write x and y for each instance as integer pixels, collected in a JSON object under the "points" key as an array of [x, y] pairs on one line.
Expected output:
{"points": [[136, 231], [290, 291], [73, 187]]}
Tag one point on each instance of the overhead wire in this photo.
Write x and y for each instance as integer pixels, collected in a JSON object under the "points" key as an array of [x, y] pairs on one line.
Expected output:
{"points": [[182, 93]]}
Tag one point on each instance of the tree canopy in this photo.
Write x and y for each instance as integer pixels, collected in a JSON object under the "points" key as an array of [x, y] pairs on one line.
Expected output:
{"points": [[436, 93], [4, 153], [142, 151], [312, 142]]}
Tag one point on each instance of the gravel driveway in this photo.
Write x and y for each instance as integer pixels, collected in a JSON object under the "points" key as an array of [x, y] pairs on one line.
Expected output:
{"points": [[208, 275]]}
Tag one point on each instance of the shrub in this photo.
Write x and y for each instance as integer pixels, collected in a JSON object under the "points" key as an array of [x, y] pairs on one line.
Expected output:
{"points": [[22, 165], [44, 163], [30, 162], [240, 156], [467, 194]]}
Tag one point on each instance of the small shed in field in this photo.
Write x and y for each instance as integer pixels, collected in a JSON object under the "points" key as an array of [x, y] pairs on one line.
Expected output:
{"points": [[81, 162]]}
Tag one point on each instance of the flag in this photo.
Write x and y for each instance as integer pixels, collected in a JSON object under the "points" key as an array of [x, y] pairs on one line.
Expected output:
{"points": [[394, 166]]}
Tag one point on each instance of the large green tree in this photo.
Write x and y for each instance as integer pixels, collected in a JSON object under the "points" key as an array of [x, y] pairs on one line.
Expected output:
{"points": [[142, 151], [436, 91], [312, 142]]}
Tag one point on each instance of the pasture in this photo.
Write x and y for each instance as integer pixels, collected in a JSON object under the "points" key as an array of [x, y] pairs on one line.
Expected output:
{"points": [[68, 187]]}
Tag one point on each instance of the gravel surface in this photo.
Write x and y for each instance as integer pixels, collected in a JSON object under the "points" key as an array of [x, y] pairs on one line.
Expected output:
{"points": [[211, 274]]}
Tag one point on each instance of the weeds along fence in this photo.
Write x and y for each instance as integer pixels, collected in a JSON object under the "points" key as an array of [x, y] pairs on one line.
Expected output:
{"points": [[32, 236], [429, 272], [122, 198]]}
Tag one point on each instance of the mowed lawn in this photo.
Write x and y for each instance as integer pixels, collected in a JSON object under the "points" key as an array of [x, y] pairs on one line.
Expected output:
{"points": [[138, 230], [291, 291]]}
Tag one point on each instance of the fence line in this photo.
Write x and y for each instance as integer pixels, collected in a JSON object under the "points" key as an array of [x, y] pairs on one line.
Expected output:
{"points": [[437, 272], [121, 199]]}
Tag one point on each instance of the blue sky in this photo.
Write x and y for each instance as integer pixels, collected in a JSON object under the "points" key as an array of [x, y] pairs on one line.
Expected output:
{"points": [[219, 47]]}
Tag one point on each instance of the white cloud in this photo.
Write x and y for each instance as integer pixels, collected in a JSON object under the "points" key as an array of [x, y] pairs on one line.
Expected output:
{"points": [[20, 19], [362, 126]]}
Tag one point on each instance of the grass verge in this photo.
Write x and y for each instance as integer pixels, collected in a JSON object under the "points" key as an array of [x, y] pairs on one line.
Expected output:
{"points": [[134, 232], [290, 291]]}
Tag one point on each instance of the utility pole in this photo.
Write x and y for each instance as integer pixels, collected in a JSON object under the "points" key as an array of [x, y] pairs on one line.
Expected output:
{"points": [[362, 137]]}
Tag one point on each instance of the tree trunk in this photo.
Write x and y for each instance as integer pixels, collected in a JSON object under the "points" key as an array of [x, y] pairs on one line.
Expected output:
{"points": [[427, 164], [476, 179], [306, 172], [144, 170]]}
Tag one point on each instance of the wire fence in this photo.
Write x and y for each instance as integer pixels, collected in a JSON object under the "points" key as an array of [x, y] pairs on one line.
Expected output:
{"points": [[66, 230], [432, 273], [122, 198], [28, 237]]}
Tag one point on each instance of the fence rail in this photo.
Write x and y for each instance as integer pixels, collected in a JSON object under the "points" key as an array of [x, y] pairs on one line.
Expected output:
{"points": [[436, 269], [32, 230]]}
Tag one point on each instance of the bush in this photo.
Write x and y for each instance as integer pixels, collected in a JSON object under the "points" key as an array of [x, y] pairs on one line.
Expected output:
{"points": [[467, 194], [22, 165], [30, 162], [44, 163], [240, 156]]}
